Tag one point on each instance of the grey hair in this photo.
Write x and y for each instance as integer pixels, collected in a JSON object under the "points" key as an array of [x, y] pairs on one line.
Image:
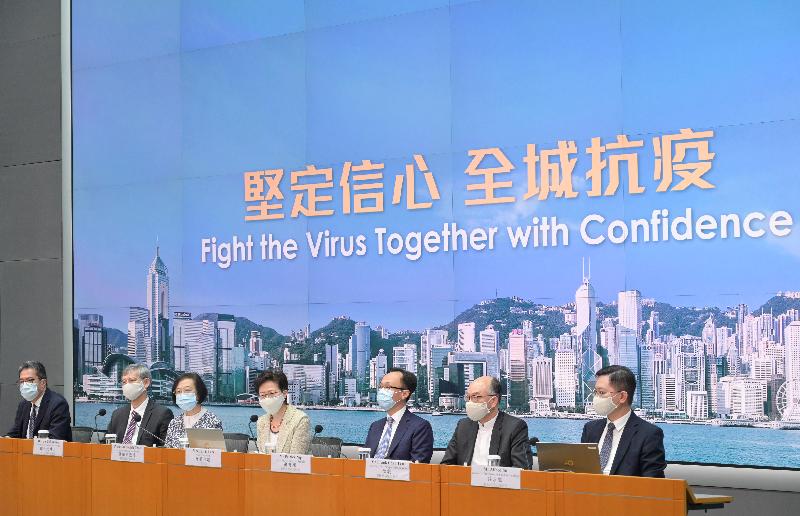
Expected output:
{"points": [[140, 370], [494, 386], [36, 366]]}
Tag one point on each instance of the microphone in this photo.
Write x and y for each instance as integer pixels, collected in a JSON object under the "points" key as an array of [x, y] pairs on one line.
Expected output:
{"points": [[100, 413], [253, 419], [317, 429], [532, 443], [138, 419]]}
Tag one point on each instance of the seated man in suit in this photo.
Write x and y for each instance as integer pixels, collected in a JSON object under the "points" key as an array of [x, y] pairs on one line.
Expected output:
{"points": [[488, 431], [629, 445], [42, 409], [401, 435], [143, 421]]}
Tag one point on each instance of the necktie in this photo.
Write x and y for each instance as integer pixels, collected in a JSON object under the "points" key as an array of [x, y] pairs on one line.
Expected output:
{"points": [[383, 446], [605, 451], [32, 421], [129, 432]]}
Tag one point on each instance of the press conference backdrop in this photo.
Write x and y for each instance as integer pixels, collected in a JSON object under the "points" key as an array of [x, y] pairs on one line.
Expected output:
{"points": [[529, 190]]}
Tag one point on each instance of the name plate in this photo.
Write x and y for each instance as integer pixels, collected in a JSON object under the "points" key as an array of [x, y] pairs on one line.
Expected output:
{"points": [[387, 469], [127, 452], [496, 476], [290, 463], [203, 458], [52, 447]]}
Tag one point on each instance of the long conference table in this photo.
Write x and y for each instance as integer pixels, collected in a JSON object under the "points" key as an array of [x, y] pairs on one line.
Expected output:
{"points": [[85, 481]]}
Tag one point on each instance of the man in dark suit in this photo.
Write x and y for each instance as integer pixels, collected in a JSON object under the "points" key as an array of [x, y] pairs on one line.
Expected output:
{"points": [[401, 435], [628, 444], [41, 409], [150, 426], [488, 431]]}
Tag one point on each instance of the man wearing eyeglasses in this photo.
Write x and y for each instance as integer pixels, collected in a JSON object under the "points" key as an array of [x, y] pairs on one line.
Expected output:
{"points": [[41, 408], [628, 444], [401, 435], [487, 430]]}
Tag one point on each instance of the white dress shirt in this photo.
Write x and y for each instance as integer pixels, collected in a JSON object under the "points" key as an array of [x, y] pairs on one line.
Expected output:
{"points": [[139, 410], [480, 454], [396, 417], [619, 426]]}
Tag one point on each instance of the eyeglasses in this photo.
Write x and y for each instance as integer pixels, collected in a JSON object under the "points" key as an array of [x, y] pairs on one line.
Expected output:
{"points": [[28, 380], [185, 391], [265, 395], [603, 394], [393, 388], [477, 398]]}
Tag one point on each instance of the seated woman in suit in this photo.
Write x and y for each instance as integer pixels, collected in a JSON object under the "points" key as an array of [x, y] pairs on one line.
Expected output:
{"points": [[284, 429], [189, 392]]}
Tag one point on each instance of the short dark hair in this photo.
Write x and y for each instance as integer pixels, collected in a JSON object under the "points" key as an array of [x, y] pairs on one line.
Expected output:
{"points": [[621, 378], [41, 372], [272, 376], [409, 379], [199, 386]]}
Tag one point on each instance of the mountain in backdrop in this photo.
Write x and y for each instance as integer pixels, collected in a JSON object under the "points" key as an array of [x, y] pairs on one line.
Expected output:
{"points": [[505, 314]]}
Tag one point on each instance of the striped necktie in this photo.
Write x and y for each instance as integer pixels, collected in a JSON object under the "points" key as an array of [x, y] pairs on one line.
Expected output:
{"points": [[32, 421], [383, 446], [129, 432]]}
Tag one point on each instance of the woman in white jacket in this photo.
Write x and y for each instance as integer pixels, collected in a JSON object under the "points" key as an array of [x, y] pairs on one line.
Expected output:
{"points": [[283, 429]]}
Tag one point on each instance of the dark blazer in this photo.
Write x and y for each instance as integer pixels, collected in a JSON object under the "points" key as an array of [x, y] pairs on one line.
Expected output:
{"points": [[412, 439], [53, 416], [156, 419], [509, 441], [640, 452]]}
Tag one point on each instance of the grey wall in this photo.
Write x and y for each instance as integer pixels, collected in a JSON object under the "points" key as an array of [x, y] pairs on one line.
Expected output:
{"points": [[31, 237], [30, 195]]}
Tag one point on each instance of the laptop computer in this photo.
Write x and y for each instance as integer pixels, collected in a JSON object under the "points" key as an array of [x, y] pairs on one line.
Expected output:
{"points": [[209, 438], [577, 458]]}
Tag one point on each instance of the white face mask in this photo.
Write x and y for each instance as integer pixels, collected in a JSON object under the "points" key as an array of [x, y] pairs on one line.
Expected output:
{"points": [[477, 411], [132, 390], [272, 405], [604, 406]]}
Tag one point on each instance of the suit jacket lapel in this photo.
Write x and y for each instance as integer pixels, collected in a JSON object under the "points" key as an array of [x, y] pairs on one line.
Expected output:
{"points": [[148, 411], [41, 410], [26, 418], [401, 429], [631, 427], [494, 443], [472, 434], [122, 425], [286, 425]]}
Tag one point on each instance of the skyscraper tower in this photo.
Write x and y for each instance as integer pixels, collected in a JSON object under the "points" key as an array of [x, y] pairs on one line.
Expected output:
{"points": [[158, 306], [361, 346], [517, 388], [629, 304], [586, 331]]}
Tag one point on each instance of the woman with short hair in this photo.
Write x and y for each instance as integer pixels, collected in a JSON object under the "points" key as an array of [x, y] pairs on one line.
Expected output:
{"points": [[189, 392], [284, 428]]}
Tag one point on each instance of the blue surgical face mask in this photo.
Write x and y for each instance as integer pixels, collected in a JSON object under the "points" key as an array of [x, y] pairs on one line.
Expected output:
{"points": [[29, 390], [385, 400], [186, 401]]}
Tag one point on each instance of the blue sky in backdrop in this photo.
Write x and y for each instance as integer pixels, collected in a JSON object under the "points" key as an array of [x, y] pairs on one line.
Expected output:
{"points": [[173, 101]]}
